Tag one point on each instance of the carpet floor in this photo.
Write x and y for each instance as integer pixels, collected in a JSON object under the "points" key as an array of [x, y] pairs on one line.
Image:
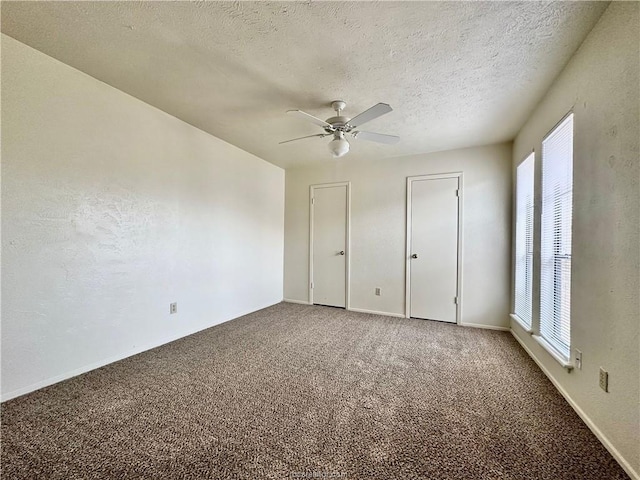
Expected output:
{"points": [[295, 391]]}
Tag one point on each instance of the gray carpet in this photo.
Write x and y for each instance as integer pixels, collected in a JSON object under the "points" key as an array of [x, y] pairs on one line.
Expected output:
{"points": [[294, 391]]}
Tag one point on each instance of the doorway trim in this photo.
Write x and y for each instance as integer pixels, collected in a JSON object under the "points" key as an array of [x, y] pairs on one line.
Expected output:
{"points": [[436, 176], [347, 260]]}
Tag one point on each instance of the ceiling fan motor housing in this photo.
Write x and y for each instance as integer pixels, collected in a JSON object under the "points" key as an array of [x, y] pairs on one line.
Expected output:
{"points": [[337, 123]]}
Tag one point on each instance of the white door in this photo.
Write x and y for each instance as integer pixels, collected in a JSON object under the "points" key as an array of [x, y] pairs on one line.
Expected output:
{"points": [[433, 248], [329, 244]]}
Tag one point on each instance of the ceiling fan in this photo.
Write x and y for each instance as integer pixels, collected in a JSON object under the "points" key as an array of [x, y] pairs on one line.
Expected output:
{"points": [[339, 126]]}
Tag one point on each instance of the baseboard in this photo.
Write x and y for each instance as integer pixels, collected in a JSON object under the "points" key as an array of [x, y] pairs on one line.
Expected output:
{"points": [[290, 300], [93, 366], [79, 371], [486, 327], [585, 418], [359, 310], [374, 312]]}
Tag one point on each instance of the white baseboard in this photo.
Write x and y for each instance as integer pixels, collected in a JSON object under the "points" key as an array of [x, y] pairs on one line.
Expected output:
{"points": [[386, 314], [290, 300], [92, 366], [486, 327], [79, 371], [359, 310], [585, 418]]}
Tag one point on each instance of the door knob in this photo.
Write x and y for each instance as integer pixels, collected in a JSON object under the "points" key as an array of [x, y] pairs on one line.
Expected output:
{"points": [[341, 252], [415, 255]]}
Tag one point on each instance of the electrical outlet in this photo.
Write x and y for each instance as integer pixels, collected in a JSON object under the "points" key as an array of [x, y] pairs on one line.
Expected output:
{"points": [[604, 379], [173, 307], [378, 291], [578, 359]]}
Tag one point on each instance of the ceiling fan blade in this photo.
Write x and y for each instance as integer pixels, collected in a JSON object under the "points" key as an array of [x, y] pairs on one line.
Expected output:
{"points": [[309, 118], [308, 136], [377, 137], [368, 115]]}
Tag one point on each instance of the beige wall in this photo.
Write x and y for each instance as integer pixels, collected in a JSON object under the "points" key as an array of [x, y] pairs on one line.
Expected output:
{"points": [[112, 209], [601, 84], [378, 228]]}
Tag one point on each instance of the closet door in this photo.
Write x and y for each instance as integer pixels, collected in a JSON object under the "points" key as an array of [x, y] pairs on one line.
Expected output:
{"points": [[433, 248], [329, 244]]}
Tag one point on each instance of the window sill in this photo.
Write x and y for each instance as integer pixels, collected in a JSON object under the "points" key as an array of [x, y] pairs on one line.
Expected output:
{"points": [[520, 322], [552, 351]]}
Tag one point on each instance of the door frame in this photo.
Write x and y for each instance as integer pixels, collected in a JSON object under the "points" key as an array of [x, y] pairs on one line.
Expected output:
{"points": [[347, 260], [437, 176]]}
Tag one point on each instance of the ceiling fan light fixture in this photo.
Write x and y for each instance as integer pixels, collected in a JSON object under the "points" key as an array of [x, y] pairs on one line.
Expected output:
{"points": [[339, 145]]}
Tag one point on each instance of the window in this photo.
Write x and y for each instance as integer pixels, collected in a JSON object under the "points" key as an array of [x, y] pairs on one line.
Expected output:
{"points": [[524, 242], [555, 244]]}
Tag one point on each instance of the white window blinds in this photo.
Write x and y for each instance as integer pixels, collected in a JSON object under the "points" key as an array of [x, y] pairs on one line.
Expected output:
{"points": [[524, 241], [555, 244]]}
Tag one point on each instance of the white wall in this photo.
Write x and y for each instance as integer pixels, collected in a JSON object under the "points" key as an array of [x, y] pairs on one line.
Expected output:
{"points": [[601, 83], [112, 209], [378, 228]]}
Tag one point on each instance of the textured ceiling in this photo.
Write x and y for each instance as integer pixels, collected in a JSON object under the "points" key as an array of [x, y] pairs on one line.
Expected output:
{"points": [[457, 74]]}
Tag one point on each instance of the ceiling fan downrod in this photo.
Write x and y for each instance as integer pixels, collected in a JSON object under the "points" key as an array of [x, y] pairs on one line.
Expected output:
{"points": [[339, 122]]}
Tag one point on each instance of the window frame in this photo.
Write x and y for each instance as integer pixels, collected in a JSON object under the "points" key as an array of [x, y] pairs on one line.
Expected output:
{"points": [[525, 222], [556, 219]]}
